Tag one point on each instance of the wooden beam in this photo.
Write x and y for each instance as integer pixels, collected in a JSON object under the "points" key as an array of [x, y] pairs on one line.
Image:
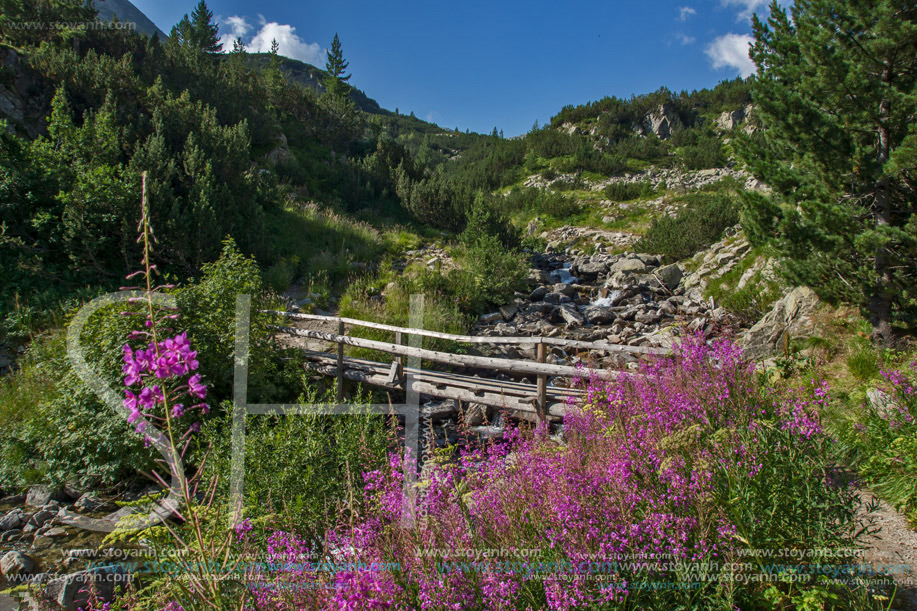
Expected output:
{"points": [[602, 346], [542, 385], [483, 362], [340, 376]]}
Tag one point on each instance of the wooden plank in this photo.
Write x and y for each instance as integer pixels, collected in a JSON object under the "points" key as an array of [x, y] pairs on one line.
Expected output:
{"points": [[340, 376], [522, 367], [504, 386], [555, 407], [602, 346], [542, 385]]}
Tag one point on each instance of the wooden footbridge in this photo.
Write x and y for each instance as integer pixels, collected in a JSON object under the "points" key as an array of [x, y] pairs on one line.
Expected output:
{"points": [[536, 401]]}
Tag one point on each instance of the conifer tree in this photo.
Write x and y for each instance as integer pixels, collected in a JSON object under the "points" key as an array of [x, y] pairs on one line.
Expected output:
{"points": [[835, 95], [204, 30], [336, 65]]}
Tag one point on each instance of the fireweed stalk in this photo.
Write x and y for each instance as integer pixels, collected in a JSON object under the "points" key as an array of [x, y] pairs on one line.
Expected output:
{"points": [[161, 386]]}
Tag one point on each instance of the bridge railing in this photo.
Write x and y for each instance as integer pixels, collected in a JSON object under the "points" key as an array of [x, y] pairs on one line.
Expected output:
{"points": [[538, 368]]}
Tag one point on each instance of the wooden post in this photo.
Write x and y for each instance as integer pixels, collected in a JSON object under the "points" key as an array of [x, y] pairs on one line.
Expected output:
{"points": [[541, 407], [399, 342], [340, 380]]}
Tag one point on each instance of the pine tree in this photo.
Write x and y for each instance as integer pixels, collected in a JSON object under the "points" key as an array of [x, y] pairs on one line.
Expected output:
{"points": [[336, 81], [835, 94], [204, 31]]}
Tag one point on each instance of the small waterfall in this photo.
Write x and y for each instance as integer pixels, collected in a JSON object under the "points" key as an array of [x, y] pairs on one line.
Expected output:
{"points": [[609, 301], [563, 274]]}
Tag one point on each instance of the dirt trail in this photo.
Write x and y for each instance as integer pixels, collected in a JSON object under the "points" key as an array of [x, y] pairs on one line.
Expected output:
{"points": [[893, 546]]}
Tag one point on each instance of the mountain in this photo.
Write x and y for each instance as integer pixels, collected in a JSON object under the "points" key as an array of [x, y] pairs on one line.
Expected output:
{"points": [[127, 13]]}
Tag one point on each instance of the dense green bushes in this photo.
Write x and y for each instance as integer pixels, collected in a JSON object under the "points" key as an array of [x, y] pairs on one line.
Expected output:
{"points": [[627, 191], [56, 429], [694, 228]]}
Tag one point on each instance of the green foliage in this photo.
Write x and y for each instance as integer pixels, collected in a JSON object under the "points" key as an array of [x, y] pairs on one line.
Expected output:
{"points": [[56, 429], [863, 361], [693, 229], [751, 302], [880, 433], [705, 152], [628, 191], [336, 66], [837, 149], [304, 471], [496, 271]]}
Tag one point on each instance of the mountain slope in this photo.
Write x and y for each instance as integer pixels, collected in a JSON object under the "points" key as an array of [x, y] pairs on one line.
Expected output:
{"points": [[127, 12]]}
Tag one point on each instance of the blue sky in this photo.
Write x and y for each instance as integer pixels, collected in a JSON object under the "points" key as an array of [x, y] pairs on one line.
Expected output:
{"points": [[475, 65]]}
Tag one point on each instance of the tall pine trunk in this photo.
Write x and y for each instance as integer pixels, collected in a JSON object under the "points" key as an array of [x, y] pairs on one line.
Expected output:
{"points": [[880, 302]]}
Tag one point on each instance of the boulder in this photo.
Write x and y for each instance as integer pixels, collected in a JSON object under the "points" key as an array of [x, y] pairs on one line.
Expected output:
{"points": [[10, 535], [89, 502], [729, 120], [662, 121], [571, 317], [13, 564], [509, 311], [14, 519], [39, 496], [476, 414], [628, 266], [591, 268], [670, 276], [598, 315], [491, 318], [72, 591], [791, 316], [538, 294], [557, 298], [39, 518]]}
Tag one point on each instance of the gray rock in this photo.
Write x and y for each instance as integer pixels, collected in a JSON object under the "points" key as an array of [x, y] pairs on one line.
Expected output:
{"points": [[491, 318], [39, 496], [509, 311], [13, 564], [10, 535], [564, 289], [883, 403], [39, 518], [539, 293], [670, 276], [598, 315], [475, 414], [538, 276], [792, 315], [14, 519], [72, 591], [628, 266], [591, 269], [556, 298], [89, 502], [571, 317], [662, 121], [439, 410]]}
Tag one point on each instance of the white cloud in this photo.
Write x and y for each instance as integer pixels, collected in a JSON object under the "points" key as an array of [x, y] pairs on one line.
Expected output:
{"points": [[731, 51], [748, 7], [684, 39], [684, 12], [289, 43], [239, 28]]}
